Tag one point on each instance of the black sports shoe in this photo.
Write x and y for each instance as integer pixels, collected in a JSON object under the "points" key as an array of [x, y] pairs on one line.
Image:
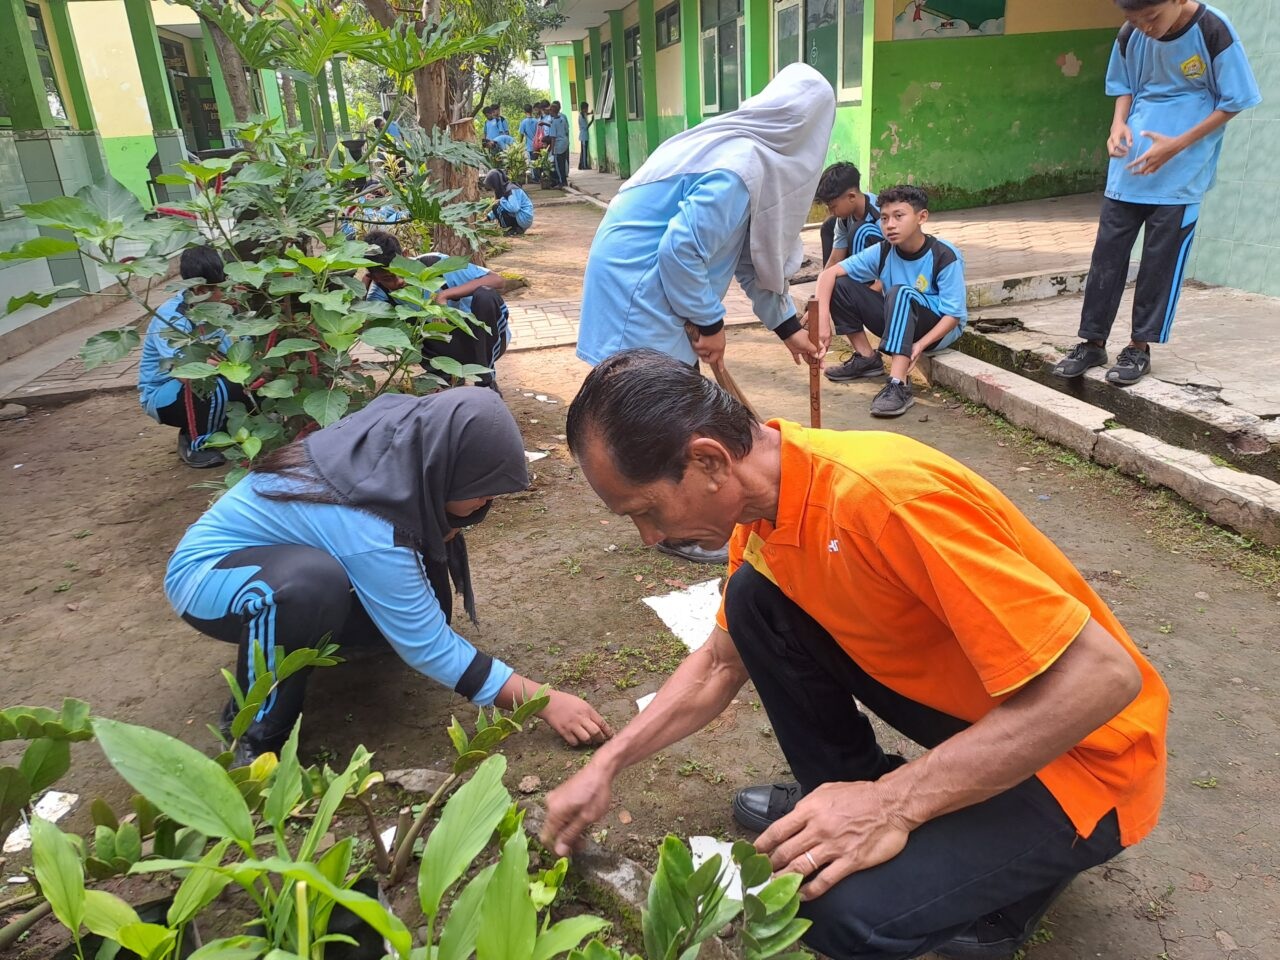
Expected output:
{"points": [[199, 459], [855, 368], [894, 400], [1080, 359], [694, 553], [997, 936], [756, 808], [1131, 366]]}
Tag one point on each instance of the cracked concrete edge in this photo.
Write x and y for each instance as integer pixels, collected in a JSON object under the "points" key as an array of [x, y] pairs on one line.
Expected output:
{"points": [[999, 291], [1243, 501]]}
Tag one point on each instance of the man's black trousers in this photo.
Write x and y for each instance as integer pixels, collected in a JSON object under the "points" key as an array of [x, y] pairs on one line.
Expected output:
{"points": [[899, 319], [1007, 854], [1166, 247]]}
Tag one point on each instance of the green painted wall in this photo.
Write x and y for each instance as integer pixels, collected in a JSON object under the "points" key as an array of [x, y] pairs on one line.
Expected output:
{"points": [[638, 143], [1237, 241], [992, 119], [610, 130], [127, 159], [668, 127]]}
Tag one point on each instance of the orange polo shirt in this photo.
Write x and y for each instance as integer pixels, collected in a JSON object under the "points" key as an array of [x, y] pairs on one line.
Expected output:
{"points": [[939, 587]]}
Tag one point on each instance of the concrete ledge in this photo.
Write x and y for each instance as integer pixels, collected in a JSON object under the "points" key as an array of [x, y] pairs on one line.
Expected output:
{"points": [[1244, 501], [1055, 416], [998, 291]]}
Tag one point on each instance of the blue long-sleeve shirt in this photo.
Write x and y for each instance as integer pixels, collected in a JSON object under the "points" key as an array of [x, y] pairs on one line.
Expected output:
{"points": [[665, 253], [388, 578], [157, 388], [518, 204]]}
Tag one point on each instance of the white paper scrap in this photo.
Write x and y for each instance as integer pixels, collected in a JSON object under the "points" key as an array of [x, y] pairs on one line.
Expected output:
{"points": [[53, 806], [704, 848], [690, 613], [644, 701], [388, 837], [543, 398], [532, 457]]}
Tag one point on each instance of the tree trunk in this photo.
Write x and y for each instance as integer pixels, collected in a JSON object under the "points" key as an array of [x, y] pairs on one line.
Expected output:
{"points": [[233, 73], [467, 180], [289, 94]]}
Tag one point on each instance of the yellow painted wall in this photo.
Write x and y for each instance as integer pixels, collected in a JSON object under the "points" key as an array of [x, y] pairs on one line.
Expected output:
{"points": [[670, 68], [1030, 16], [631, 15], [111, 68], [169, 14]]}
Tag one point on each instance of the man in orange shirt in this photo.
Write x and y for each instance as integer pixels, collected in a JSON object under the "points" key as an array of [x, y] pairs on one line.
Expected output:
{"points": [[867, 568]]}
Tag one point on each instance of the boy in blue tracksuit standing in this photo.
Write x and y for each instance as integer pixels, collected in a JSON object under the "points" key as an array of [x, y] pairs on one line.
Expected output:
{"points": [[908, 290], [558, 131], [1179, 74], [528, 129], [171, 401]]}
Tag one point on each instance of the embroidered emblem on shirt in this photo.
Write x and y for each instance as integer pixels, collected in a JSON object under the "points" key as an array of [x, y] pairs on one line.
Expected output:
{"points": [[833, 546], [1194, 68], [922, 284]]}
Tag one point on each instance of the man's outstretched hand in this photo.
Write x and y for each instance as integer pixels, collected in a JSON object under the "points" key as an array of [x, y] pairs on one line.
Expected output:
{"points": [[574, 806]]}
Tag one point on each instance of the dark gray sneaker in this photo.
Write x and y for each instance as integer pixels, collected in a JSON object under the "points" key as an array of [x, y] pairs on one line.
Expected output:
{"points": [[893, 401], [1131, 366], [855, 368], [200, 459], [1084, 356]]}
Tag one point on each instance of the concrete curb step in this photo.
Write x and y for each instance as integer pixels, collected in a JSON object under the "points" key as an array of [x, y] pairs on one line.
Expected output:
{"points": [[1243, 501], [1179, 415]]}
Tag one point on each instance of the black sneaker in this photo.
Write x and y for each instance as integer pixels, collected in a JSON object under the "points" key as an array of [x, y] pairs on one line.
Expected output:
{"points": [[694, 553], [855, 368], [756, 808], [1131, 366], [999, 935], [1084, 356], [894, 400], [199, 459]]}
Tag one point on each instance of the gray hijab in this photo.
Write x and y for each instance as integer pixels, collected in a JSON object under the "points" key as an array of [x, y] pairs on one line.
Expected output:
{"points": [[401, 458]]}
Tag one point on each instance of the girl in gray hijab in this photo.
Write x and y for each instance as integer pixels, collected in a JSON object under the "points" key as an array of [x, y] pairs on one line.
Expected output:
{"points": [[353, 534]]}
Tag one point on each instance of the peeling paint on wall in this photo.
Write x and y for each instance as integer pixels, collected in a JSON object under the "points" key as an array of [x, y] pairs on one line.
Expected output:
{"points": [[1070, 64]]}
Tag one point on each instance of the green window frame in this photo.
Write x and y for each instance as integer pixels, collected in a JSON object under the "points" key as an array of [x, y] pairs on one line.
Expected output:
{"points": [[829, 37], [634, 73], [44, 57], [668, 25], [604, 97]]}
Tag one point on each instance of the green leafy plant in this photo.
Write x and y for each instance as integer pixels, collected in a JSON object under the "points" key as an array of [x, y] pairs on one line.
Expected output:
{"points": [[515, 163], [46, 758], [543, 167]]}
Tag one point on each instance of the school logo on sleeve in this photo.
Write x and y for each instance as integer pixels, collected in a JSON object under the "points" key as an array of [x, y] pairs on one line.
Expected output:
{"points": [[1194, 68], [922, 283]]}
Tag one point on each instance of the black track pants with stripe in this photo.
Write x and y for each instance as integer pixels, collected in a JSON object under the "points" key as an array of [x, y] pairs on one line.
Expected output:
{"points": [[202, 416], [1166, 248]]}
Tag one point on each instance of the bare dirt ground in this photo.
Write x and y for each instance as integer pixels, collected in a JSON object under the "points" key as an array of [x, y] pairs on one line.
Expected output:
{"points": [[99, 499]]}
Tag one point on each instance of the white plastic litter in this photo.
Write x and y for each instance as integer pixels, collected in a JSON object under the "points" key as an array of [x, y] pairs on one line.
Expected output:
{"points": [[543, 398], [704, 848], [533, 457], [690, 613], [53, 806], [388, 837], [644, 701]]}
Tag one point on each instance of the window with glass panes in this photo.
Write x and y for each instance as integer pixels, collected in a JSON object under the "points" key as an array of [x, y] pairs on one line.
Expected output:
{"points": [[635, 81], [721, 54], [668, 23], [44, 58], [827, 35], [604, 97]]}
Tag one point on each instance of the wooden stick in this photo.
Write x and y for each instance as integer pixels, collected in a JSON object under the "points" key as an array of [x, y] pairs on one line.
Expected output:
{"points": [[722, 374], [815, 374]]}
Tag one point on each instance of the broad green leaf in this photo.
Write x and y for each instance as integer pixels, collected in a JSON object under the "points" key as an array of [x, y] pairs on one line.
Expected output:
{"points": [[453, 368], [458, 938], [105, 913], [755, 871], [194, 371], [199, 887], [147, 940], [253, 274], [458, 735], [67, 213], [670, 908], [340, 341], [41, 298], [58, 871], [278, 389], [112, 201], [249, 326], [704, 878], [104, 842], [252, 446], [335, 300], [108, 347], [326, 406], [769, 946], [565, 936], [207, 170], [44, 761], [15, 794], [102, 814], [235, 372], [232, 948], [467, 822], [180, 780], [390, 339], [334, 794], [38, 247], [129, 842], [508, 920], [472, 758], [291, 345], [257, 173], [175, 180]]}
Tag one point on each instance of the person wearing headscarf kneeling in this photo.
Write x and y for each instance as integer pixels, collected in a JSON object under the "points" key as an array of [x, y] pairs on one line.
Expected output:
{"points": [[726, 199], [512, 208], [353, 535]]}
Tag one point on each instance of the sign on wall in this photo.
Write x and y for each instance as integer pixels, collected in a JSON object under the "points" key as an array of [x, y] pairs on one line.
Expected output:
{"points": [[931, 19]]}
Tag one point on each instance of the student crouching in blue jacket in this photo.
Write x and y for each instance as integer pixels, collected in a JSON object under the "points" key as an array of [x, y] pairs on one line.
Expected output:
{"points": [[354, 534], [512, 207]]}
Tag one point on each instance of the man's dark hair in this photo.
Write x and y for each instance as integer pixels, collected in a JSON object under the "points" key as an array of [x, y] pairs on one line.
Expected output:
{"points": [[528, 108], [386, 114], [554, 103], [379, 123], [387, 244], [905, 193], [837, 180], [646, 407], [583, 105], [1132, 5], [202, 262]]}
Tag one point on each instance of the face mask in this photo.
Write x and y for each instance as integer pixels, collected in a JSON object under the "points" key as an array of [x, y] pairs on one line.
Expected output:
{"points": [[457, 523]]}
